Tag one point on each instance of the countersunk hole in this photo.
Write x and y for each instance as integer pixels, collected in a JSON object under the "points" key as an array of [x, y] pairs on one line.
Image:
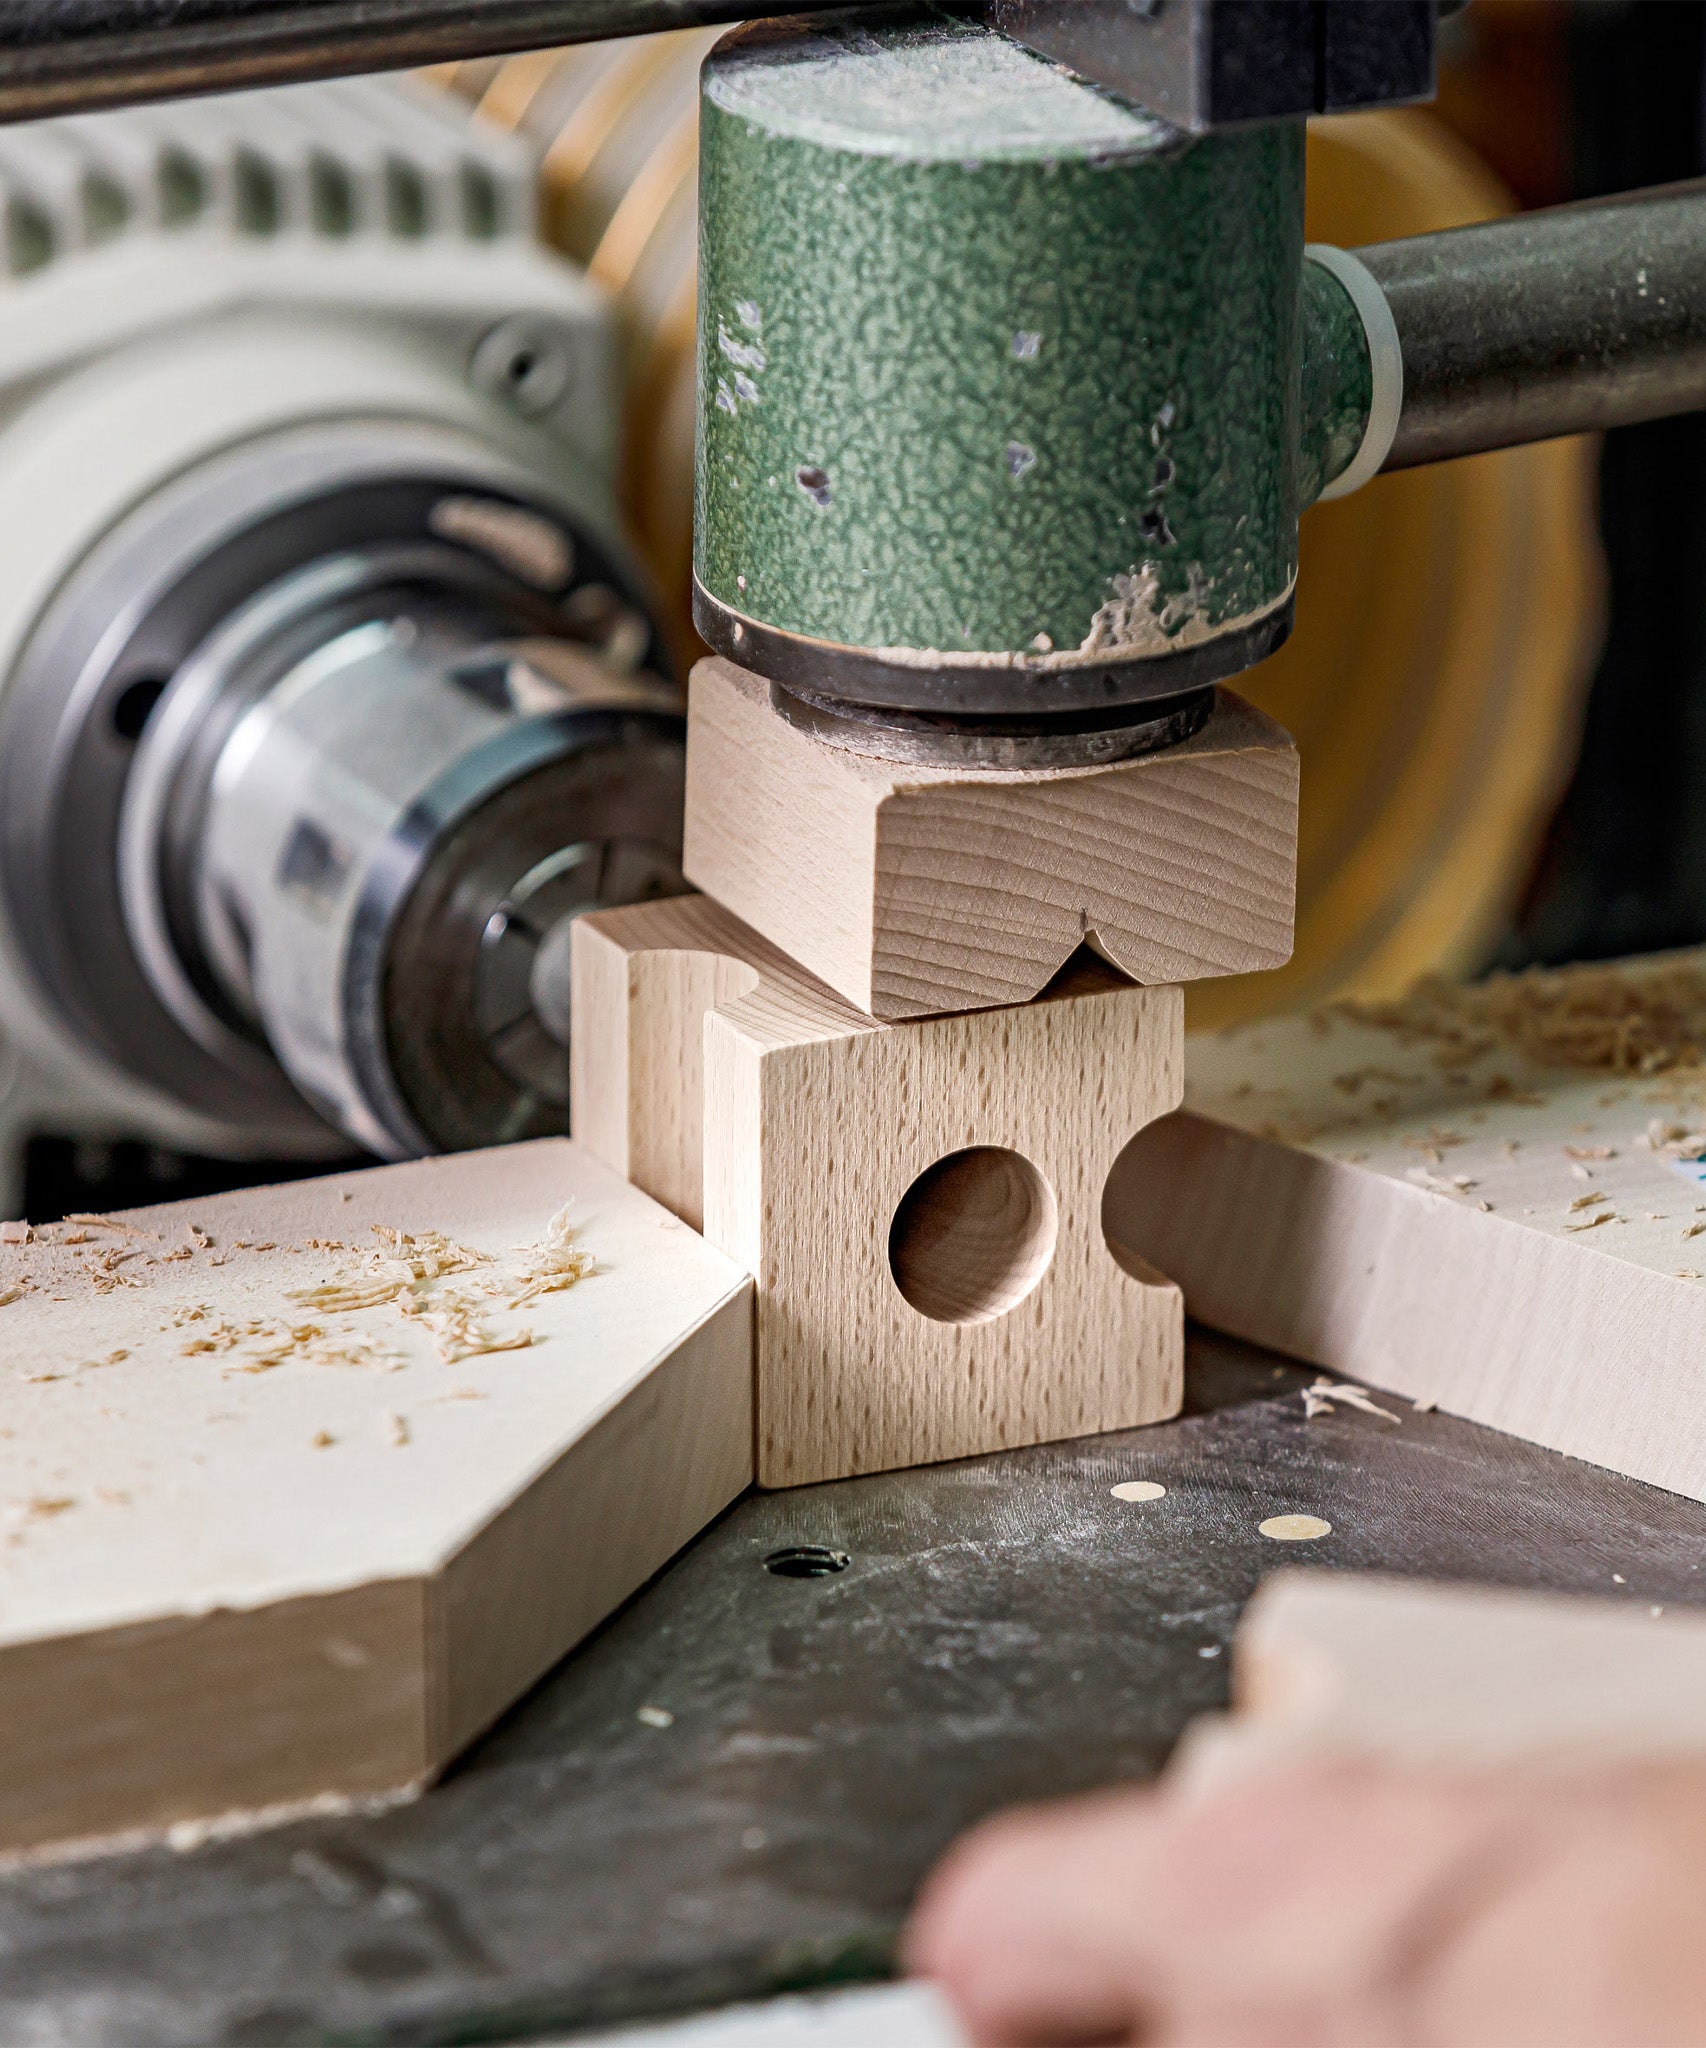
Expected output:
{"points": [[806, 1561], [134, 705], [973, 1235]]}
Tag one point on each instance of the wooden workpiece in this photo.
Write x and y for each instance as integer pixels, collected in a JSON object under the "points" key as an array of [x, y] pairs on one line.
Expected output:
{"points": [[1347, 1663], [916, 890], [921, 1203], [264, 1549], [1491, 1199]]}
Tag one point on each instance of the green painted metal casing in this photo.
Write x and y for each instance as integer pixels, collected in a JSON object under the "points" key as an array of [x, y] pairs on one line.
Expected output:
{"points": [[1001, 380]]}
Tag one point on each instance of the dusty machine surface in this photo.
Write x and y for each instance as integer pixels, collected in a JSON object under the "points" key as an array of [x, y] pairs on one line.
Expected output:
{"points": [[328, 689]]}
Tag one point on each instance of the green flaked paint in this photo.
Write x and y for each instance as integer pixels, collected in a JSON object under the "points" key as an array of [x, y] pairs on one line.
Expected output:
{"points": [[1338, 382], [990, 364]]}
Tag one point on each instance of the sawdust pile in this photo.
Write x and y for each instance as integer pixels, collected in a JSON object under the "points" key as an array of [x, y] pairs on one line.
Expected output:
{"points": [[1598, 1019], [453, 1291]]}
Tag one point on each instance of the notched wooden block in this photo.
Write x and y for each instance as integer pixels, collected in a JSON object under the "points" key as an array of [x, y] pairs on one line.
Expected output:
{"points": [[915, 891], [260, 1552], [921, 1203]]}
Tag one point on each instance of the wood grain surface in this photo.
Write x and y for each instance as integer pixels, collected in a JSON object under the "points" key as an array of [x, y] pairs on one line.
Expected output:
{"points": [[816, 1121], [1491, 1200], [1351, 1663], [259, 1553], [916, 891]]}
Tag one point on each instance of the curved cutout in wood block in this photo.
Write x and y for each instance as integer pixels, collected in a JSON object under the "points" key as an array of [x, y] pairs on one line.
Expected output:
{"points": [[260, 1552], [915, 891], [726, 1081]]}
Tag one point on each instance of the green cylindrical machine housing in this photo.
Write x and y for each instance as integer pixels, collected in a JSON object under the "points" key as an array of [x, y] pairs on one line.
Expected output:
{"points": [[1001, 379]]}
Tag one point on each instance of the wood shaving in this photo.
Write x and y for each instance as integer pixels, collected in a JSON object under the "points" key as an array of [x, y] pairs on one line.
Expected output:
{"points": [[1590, 1152], [1458, 1184], [1326, 1395], [1693, 1229], [322, 1440], [1592, 1222], [117, 1223], [1586, 1201], [396, 1428], [1581, 1173], [15, 1232], [1599, 1018], [410, 1272], [15, 1291], [554, 1264], [1673, 1141]]}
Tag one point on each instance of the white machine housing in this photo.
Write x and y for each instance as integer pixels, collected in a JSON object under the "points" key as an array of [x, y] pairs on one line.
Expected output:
{"points": [[189, 280]]}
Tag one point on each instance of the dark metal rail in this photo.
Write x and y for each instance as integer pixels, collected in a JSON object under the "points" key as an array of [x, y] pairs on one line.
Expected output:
{"points": [[1560, 322], [63, 56]]}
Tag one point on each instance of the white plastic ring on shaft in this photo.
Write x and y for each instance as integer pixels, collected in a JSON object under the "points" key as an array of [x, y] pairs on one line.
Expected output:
{"points": [[1386, 361]]}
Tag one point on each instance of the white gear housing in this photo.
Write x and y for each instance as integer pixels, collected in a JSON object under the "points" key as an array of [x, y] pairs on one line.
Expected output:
{"points": [[220, 314]]}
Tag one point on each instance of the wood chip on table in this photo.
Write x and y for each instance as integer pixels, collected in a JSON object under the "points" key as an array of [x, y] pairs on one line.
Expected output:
{"points": [[118, 1223], [1325, 1395]]}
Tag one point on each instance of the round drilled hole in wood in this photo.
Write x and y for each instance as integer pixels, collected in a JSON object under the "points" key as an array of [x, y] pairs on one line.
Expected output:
{"points": [[973, 1235]]}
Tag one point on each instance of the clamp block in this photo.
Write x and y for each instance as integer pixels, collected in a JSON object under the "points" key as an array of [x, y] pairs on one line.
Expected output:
{"points": [[914, 891], [921, 1202]]}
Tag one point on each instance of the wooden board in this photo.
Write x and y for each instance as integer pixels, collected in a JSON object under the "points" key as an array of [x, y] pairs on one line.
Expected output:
{"points": [[914, 891], [1331, 1663], [982, 1311], [1408, 1194], [244, 1569]]}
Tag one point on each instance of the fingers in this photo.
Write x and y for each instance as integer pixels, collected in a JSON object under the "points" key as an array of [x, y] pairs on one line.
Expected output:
{"points": [[1283, 1911], [1026, 1925]]}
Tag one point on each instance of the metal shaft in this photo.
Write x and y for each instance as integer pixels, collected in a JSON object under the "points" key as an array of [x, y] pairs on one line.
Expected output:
{"points": [[1560, 322], [65, 56]]}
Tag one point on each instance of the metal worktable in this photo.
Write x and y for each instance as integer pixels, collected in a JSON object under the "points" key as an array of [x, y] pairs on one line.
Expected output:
{"points": [[1004, 1629]]}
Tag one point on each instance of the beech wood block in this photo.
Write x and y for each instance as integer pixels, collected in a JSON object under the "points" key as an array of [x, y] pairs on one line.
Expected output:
{"points": [[915, 891], [921, 1203], [259, 1556], [1342, 1663], [1488, 1199]]}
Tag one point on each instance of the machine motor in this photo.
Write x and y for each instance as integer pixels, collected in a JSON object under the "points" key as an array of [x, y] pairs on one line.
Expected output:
{"points": [[328, 693]]}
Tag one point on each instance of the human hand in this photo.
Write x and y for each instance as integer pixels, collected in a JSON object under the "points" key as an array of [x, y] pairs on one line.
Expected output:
{"points": [[1335, 1905]]}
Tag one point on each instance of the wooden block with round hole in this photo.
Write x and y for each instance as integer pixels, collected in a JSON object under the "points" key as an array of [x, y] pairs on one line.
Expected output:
{"points": [[921, 1203], [917, 889]]}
